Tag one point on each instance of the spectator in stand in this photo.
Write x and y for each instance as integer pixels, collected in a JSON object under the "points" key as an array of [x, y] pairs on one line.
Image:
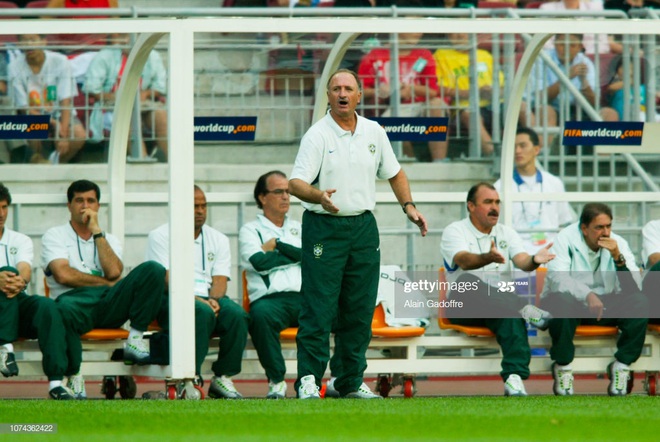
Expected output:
{"points": [[83, 4], [102, 81], [418, 84], [581, 72], [41, 83], [615, 91], [606, 44], [453, 67]]}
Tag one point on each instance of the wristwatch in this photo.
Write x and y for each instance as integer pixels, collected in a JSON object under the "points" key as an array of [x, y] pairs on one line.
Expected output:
{"points": [[620, 261], [98, 235], [406, 204]]}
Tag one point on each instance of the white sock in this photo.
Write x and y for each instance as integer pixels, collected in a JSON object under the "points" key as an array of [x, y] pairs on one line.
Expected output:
{"points": [[564, 367], [9, 347], [54, 384], [135, 334]]}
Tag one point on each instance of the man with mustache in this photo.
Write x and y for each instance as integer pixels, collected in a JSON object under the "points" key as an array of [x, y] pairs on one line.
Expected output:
{"points": [[482, 253], [594, 281]]}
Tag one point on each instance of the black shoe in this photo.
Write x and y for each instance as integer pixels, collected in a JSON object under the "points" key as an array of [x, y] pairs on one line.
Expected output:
{"points": [[8, 365], [61, 394]]}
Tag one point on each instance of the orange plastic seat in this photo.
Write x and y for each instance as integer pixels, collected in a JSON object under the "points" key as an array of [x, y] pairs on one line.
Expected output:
{"points": [[288, 334], [105, 334], [654, 328], [379, 327]]}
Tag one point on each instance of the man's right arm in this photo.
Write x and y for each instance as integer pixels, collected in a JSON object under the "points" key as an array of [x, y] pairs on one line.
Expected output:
{"points": [[66, 275], [263, 257], [472, 261]]}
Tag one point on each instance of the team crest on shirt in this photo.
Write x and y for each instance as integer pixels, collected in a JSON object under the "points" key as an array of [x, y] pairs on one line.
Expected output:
{"points": [[294, 231], [210, 256], [502, 244], [372, 148], [318, 250], [13, 250]]}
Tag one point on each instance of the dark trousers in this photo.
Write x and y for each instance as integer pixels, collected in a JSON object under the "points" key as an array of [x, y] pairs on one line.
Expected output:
{"points": [[563, 308], [36, 317], [136, 298], [270, 315], [506, 323], [231, 325], [340, 273]]}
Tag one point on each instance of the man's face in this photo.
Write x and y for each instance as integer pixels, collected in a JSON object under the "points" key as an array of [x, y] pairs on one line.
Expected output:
{"points": [[459, 40], [343, 94], [276, 202], [599, 227], [200, 209], [32, 44], [80, 202], [526, 152], [574, 45], [4, 210], [485, 211]]}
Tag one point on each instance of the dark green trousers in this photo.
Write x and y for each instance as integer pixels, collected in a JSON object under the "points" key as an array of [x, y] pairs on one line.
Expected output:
{"points": [[506, 323], [270, 315], [136, 298], [562, 327], [231, 325], [340, 274], [35, 317]]}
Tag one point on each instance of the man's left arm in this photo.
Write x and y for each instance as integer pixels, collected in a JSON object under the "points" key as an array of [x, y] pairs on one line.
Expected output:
{"points": [[528, 263], [401, 189], [218, 288]]}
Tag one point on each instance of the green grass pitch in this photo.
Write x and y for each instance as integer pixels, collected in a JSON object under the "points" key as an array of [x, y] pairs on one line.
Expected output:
{"points": [[536, 418]]}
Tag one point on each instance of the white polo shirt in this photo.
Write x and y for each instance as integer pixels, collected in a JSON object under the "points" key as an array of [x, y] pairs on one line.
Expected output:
{"points": [[285, 278], [333, 158], [212, 255], [63, 242], [14, 248], [548, 215], [650, 240], [462, 236]]}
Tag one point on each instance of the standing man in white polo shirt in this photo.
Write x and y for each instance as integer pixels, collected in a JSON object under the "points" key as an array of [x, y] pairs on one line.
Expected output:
{"points": [[547, 215], [339, 160], [480, 252], [214, 311]]}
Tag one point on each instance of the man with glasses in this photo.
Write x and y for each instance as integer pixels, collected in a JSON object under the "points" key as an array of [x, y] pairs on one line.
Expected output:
{"points": [[270, 254], [21, 315], [215, 313]]}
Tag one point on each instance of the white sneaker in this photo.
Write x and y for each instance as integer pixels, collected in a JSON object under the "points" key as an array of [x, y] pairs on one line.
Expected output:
{"points": [[563, 380], [363, 392], [308, 388], [514, 386], [330, 388], [76, 384], [535, 316], [619, 375], [276, 390], [136, 351], [222, 387], [8, 365]]}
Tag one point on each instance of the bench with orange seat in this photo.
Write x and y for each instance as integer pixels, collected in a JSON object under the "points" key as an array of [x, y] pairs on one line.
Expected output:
{"points": [[586, 336]]}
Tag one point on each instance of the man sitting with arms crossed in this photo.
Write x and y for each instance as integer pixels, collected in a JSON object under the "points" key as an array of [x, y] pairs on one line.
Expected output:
{"points": [[21, 315], [83, 268]]}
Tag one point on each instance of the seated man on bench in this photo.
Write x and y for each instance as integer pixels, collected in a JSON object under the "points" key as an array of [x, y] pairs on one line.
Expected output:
{"points": [[21, 315], [479, 256], [594, 281], [83, 269]]}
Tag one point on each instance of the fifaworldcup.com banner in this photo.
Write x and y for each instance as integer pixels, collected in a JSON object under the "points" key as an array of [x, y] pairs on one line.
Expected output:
{"points": [[24, 127], [225, 128], [414, 129], [592, 133]]}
